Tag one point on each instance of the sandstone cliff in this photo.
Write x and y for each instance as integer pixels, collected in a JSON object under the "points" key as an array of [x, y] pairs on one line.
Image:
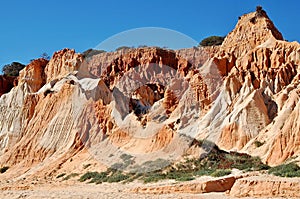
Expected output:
{"points": [[151, 103]]}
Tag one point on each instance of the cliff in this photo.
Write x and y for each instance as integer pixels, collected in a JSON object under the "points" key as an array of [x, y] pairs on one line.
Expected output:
{"points": [[152, 103]]}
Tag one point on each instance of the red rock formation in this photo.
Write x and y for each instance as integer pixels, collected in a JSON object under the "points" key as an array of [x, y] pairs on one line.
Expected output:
{"points": [[62, 63], [143, 57], [33, 75]]}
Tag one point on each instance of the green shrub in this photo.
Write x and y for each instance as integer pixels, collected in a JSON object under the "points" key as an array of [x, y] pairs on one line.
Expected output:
{"points": [[4, 169], [91, 52], [142, 46], [203, 172], [243, 161], [45, 56], [100, 177], [286, 170], [185, 178], [88, 176], [221, 172], [180, 175], [133, 177], [258, 143], [153, 177], [12, 69], [117, 177], [214, 162], [212, 41], [176, 175], [61, 175], [123, 48], [108, 176]]}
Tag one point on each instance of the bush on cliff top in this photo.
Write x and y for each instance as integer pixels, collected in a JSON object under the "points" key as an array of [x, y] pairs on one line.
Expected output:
{"points": [[91, 52], [12, 69], [212, 41], [124, 48]]}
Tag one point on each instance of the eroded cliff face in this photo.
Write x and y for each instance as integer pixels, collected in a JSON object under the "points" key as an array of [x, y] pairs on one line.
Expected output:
{"points": [[151, 103], [62, 63], [34, 76], [261, 74], [251, 30]]}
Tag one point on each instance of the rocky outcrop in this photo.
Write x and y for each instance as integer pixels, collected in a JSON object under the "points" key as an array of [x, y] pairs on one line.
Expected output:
{"points": [[205, 186], [62, 63], [33, 76], [258, 73], [143, 57], [260, 187], [251, 30], [280, 139], [272, 69]]}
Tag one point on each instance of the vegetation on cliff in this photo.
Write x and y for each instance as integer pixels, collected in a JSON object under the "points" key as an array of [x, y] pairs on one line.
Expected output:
{"points": [[212, 41], [216, 163], [12, 69]]}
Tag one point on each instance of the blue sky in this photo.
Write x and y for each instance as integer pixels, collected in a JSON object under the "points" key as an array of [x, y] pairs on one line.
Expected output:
{"points": [[31, 27]]}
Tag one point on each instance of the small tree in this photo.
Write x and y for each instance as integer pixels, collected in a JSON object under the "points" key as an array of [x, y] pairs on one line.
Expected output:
{"points": [[142, 46], [258, 8], [91, 52], [212, 41], [123, 48], [45, 56], [12, 69], [260, 12]]}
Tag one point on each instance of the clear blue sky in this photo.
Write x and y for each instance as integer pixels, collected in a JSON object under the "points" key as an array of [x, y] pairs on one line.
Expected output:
{"points": [[31, 27]]}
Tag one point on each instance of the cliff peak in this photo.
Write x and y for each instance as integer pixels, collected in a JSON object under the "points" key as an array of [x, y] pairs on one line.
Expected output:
{"points": [[251, 30]]}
